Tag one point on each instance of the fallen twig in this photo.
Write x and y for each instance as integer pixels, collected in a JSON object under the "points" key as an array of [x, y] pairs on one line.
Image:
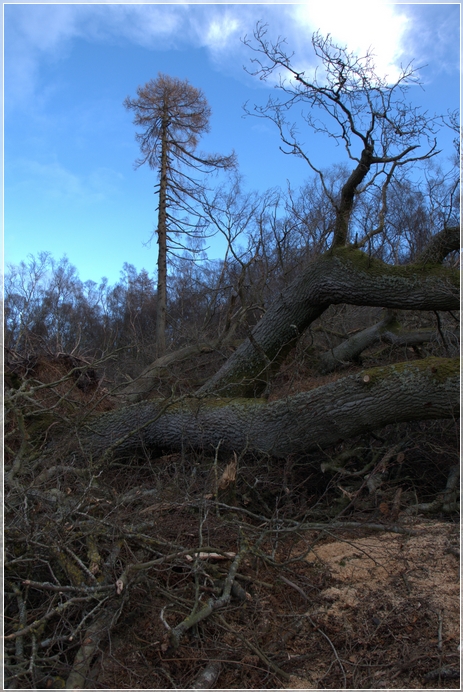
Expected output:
{"points": [[332, 646], [56, 611], [256, 649], [177, 632]]}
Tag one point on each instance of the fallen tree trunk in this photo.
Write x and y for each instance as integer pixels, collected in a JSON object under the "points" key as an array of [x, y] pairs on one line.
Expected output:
{"points": [[343, 275], [140, 387], [387, 330], [369, 400]]}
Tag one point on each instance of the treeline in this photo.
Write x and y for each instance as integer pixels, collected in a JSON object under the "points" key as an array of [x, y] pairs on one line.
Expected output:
{"points": [[268, 238]]}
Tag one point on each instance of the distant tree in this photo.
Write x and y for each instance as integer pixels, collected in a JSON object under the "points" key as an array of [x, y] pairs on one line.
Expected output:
{"points": [[173, 115], [49, 309], [24, 287]]}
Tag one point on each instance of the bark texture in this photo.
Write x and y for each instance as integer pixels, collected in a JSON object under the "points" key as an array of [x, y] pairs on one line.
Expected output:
{"points": [[387, 330], [348, 190], [343, 275], [151, 375], [442, 244], [419, 390]]}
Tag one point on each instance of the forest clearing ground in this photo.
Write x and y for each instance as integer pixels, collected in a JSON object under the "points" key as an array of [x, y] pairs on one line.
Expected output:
{"points": [[361, 611], [368, 602], [397, 598]]}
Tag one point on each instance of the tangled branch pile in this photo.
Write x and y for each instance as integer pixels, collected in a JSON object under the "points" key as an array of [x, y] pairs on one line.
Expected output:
{"points": [[202, 556]]}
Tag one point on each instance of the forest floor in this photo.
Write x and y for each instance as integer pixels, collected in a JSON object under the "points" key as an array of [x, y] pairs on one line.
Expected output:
{"points": [[360, 610], [392, 609], [352, 609], [341, 584]]}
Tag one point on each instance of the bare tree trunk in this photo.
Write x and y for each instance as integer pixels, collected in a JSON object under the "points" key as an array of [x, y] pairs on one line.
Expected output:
{"points": [[161, 303], [387, 330], [342, 275], [344, 209], [419, 390], [141, 387]]}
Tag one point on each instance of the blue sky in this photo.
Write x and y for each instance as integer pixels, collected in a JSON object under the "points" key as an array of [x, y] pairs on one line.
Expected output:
{"points": [[69, 145]]}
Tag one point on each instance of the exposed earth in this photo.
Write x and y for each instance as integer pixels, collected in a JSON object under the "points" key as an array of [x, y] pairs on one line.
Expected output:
{"points": [[361, 610]]}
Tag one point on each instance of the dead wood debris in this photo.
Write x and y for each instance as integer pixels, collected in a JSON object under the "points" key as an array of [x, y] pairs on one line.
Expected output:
{"points": [[286, 583]]}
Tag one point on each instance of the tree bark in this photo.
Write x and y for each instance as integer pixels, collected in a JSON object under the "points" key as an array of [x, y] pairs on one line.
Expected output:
{"points": [[387, 330], [343, 275], [419, 390], [161, 302], [141, 387], [441, 245], [348, 190]]}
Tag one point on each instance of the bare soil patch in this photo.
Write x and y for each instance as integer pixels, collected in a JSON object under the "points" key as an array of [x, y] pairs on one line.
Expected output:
{"points": [[394, 604], [361, 610]]}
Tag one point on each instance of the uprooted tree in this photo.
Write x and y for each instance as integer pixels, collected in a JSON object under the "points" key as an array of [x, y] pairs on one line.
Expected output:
{"points": [[382, 134], [85, 544]]}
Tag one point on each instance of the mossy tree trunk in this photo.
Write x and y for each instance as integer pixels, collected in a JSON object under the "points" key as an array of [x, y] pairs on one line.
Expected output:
{"points": [[371, 399], [419, 390], [342, 275]]}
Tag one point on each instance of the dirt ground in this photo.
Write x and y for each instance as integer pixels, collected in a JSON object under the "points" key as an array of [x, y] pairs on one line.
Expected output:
{"points": [[362, 610], [356, 606], [398, 595]]}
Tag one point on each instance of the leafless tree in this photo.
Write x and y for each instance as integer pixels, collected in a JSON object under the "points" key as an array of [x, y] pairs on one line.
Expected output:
{"points": [[347, 101], [173, 115]]}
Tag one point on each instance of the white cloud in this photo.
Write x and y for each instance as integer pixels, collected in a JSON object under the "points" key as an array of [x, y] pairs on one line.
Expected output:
{"points": [[360, 26], [37, 32], [220, 31], [54, 182], [34, 33], [30, 34]]}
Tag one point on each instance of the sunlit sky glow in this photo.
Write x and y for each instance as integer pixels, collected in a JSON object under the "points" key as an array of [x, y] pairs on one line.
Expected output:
{"points": [[70, 186], [354, 28]]}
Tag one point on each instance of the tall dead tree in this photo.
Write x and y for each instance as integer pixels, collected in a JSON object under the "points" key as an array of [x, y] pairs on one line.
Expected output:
{"points": [[173, 115]]}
